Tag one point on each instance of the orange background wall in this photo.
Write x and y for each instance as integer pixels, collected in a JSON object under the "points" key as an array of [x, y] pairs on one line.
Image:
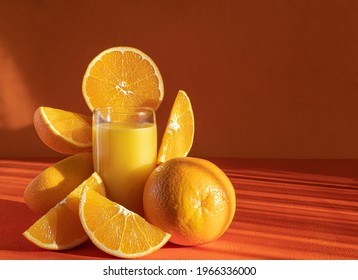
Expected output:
{"points": [[269, 79]]}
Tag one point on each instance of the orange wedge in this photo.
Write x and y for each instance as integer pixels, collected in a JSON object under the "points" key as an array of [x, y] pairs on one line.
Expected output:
{"points": [[58, 180], [179, 132], [122, 77], [116, 230], [63, 131], [60, 228]]}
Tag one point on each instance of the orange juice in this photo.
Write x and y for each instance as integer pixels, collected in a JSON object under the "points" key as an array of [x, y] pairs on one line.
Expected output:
{"points": [[124, 155]]}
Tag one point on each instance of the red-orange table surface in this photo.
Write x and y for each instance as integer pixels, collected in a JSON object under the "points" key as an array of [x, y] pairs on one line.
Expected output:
{"points": [[286, 209]]}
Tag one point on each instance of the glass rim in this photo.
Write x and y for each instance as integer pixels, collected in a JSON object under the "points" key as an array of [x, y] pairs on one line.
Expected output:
{"points": [[130, 110]]}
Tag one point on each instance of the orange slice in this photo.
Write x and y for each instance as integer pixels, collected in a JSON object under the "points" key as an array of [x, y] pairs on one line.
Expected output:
{"points": [[117, 230], [122, 77], [63, 131], [179, 133], [60, 228]]}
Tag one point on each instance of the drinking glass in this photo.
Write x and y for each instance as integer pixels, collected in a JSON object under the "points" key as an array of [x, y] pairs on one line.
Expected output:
{"points": [[124, 152]]}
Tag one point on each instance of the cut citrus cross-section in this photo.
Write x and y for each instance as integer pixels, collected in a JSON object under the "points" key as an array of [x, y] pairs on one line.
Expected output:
{"points": [[60, 228], [116, 230], [179, 132], [122, 77], [63, 131]]}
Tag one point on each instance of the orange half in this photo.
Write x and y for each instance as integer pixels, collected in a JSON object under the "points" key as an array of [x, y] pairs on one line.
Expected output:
{"points": [[122, 77]]}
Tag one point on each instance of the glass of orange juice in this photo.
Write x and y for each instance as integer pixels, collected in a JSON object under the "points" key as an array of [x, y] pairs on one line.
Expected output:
{"points": [[124, 152]]}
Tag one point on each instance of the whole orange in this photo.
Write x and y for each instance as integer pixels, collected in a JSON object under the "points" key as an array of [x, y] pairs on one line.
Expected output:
{"points": [[190, 198]]}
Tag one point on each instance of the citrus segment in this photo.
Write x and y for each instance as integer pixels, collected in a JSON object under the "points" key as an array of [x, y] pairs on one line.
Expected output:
{"points": [[57, 181], [117, 230], [122, 77], [63, 131], [190, 198], [60, 228], [179, 132]]}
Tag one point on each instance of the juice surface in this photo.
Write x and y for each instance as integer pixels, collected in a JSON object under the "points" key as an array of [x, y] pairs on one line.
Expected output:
{"points": [[124, 156]]}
